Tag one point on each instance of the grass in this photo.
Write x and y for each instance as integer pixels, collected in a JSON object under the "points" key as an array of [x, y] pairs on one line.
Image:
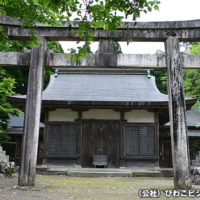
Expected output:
{"points": [[109, 188], [100, 188]]}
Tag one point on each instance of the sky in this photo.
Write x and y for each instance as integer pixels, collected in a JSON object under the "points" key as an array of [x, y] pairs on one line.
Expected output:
{"points": [[170, 10]]}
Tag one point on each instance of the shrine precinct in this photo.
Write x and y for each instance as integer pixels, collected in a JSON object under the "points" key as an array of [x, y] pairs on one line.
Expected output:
{"points": [[171, 33]]}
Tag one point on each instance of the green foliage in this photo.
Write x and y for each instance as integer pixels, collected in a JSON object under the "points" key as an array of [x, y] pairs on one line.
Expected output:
{"points": [[14, 80], [161, 79], [56, 46], [191, 82], [106, 14], [8, 169], [194, 48], [192, 76], [6, 89], [20, 74], [117, 48]]}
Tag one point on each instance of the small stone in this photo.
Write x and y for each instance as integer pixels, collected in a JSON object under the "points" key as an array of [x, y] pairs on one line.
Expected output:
{"points": [[196, 180], [12, 164], [1, 176]]}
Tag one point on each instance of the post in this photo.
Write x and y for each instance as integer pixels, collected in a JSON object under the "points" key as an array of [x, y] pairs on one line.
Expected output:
{"points": [[32, 116], [178, 126], [106, 46]]}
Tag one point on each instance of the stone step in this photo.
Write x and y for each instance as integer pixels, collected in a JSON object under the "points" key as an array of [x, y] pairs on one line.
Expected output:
{"points": [[2, 153], [4, 158], [91, 173], [197, 157], [147, 174], [195, 163], [104, 172]]}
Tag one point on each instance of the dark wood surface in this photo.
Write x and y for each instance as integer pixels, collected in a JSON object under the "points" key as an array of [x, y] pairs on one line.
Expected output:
{"points": [[63, 126], [100, 137]]}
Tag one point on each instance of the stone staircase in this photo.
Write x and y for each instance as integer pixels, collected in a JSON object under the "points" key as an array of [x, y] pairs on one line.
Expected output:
{"points": [[3, 157], [196, 162], [104, 172]]}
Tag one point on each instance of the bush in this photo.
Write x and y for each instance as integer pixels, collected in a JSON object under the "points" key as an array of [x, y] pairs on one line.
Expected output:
{"points": [[8, 169]]}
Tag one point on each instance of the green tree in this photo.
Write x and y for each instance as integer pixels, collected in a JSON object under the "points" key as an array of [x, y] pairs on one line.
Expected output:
{"points": [[106, 14], [20, 74], [6, 89], [161, 79], [192, 76], [117, 48], [13, 80]]}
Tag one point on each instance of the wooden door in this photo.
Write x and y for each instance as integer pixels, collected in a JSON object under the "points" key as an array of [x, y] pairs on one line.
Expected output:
{"points": [[100, 137], [165, 152]]}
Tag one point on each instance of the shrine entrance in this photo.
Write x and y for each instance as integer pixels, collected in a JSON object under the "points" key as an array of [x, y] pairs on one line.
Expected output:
{"points": [[100, 137]]}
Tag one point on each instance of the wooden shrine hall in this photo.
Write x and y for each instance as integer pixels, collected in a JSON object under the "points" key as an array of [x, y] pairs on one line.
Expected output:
{"points": [[92, 112]]}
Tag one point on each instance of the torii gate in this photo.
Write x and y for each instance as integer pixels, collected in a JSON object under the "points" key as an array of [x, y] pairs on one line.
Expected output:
{"points": [[169, 32]]}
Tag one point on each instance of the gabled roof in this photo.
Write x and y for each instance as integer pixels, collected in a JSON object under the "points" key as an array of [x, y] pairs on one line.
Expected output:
{"points": [[192, 118], [15, 121], [102, 88], [16, 124], [105, 87]]}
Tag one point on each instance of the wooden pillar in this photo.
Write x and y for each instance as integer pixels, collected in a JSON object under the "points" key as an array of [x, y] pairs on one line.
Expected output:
{"points": [[106, 46], [178, 126], [46, 117], [157, 143], [32, 116]]}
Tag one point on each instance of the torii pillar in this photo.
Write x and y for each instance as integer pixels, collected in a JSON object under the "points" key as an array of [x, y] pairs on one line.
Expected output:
{"points": [[32, 116], [177, 108]]}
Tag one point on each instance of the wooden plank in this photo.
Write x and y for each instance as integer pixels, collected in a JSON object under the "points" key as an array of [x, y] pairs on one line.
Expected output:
{"points": [[14, 59], [178, 126], [100, 137], [32, 116], [156, 119], [125, 61]]}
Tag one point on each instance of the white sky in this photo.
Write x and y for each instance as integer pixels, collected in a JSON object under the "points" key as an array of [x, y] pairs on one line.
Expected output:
{"points": [[170, 10]]}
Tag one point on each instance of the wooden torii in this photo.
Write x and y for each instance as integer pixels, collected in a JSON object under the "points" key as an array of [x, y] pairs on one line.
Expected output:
{"points": [[171, 33]]}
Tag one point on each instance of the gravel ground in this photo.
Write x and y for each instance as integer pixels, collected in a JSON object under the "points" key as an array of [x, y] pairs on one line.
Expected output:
{"points": [[67, 188]]}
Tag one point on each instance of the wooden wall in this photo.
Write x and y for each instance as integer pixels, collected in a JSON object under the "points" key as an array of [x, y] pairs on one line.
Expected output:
{"points": [[104, 131]]}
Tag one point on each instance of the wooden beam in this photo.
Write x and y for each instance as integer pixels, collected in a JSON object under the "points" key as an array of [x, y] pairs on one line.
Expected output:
{"points": [[14, 59], [32, 116], [135, 61], [140, 31], [178, 126]]}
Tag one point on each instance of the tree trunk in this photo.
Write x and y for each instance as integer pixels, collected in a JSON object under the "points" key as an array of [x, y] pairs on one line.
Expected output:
{"points": [[178, 126], [32, 116]]}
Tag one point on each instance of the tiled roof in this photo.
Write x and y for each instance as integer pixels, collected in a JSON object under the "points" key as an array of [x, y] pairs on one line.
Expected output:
{"points": [[192, 118], [102, 88], [19, 121], [105, 87]]}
